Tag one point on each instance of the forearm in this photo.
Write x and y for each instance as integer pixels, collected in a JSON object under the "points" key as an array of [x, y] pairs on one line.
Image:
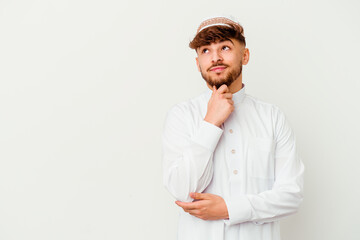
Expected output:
{"points": [[191, 173], [189, 167]]}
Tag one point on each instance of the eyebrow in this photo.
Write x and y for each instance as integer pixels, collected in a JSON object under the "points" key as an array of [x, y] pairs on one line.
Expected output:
{"points": [[228, 40], [204, 46]]}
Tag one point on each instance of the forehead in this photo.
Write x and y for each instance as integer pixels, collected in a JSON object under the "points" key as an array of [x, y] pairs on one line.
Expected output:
{"points": [[234, 43], [227, 41]]}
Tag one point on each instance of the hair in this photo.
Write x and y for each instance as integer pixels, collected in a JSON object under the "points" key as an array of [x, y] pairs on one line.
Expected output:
{"points": [[218, 34]]}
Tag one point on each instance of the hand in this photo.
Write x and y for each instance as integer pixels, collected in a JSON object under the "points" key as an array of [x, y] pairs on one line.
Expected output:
{"points": [[206, 206], [220, 106]]}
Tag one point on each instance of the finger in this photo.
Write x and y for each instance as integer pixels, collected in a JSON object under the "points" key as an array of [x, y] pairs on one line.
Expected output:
{"points": [[198, 196], [230, 101], [213, 90], [200, 216], [195, 212], [227, 95], [223, 89], [187, 205]]}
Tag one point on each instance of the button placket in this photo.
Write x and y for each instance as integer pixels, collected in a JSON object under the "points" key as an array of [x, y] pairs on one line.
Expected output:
{"points": [[233, 151]]}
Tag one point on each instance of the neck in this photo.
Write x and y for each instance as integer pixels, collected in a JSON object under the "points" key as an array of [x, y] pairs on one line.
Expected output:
{"points": [[236, 85]]}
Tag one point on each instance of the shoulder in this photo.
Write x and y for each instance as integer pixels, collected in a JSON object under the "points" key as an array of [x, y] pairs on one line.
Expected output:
{"points": [[267, 111], [261, 105], [183, 116], [190, 106]]}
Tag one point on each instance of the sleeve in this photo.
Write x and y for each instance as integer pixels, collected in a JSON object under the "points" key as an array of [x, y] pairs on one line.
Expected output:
{"points": [[286, 194], [187, 154]]}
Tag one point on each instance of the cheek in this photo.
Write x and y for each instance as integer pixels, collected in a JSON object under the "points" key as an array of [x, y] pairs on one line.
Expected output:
{"points": [[202, 64], [232, 58], [235, 60]]}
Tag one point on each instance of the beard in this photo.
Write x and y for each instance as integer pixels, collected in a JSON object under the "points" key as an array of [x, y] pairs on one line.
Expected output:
{"points": [[227, 80]]}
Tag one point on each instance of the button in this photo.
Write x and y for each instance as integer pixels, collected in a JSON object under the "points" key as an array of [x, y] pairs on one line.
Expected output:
{"points": [[233, 151], [231, 131], [235, 172], [257, 223]]}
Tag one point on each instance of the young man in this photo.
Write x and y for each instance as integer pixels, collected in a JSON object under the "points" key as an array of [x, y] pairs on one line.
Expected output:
{"points": [[228, 158]]}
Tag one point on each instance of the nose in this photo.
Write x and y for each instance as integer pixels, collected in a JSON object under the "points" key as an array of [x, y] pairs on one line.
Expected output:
{"points": [[216, 57]]}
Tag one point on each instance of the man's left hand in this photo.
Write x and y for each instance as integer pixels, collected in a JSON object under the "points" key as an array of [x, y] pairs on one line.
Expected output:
{"points": [[206, 206]]}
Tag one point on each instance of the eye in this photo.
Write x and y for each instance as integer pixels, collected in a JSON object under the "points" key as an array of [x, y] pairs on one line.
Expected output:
{"points": [[205, 50], [225, 48]]}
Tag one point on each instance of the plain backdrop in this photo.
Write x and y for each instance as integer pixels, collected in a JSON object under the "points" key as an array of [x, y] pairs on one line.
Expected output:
{"points": [[85, 87]]}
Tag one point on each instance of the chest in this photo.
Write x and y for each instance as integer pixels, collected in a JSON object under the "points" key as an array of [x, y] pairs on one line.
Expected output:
{"points": [[244, 157]]}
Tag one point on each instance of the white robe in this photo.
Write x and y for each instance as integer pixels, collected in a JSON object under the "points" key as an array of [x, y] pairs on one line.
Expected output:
{"points": [[251, 162]]}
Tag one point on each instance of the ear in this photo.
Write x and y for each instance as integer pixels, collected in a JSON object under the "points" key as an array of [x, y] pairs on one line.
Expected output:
{"points": [[197, 64], [246, 56]]}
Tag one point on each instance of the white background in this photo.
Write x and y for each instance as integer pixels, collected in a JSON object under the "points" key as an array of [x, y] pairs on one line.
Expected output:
{"points": [[85, 86]]}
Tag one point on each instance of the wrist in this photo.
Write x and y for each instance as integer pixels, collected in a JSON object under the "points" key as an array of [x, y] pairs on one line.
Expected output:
{"points": [[212, 122]]}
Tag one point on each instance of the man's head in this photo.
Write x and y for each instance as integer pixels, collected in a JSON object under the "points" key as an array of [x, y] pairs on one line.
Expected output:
{"points": [[220, 46]]}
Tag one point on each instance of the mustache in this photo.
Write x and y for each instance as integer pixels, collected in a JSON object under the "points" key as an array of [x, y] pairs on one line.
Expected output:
{"points": [[216, 65]]}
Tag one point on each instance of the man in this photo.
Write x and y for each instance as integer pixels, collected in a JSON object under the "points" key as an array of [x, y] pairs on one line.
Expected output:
{"points": [[228, 158]]}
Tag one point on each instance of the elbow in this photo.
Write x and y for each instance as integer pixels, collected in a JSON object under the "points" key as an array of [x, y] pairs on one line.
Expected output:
{"points": [[299, 195], [297, 199], [292, 197], [178, 190], [179, 195], [300, 200]]}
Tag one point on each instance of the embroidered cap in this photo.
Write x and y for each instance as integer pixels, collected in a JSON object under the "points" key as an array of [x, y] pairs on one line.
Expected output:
{"points": [[216, 21]]}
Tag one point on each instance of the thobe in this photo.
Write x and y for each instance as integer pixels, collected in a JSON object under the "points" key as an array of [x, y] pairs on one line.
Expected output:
{"points": [[250, 161]]}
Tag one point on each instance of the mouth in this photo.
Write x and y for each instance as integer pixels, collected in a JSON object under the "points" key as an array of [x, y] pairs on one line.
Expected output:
{"points": [[217, 69]]}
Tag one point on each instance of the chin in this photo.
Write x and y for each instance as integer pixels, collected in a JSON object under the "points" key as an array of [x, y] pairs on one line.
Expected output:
{"points": [[219, 84]]}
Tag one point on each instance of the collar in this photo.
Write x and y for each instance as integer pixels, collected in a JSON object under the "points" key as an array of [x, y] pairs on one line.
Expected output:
{"points": [[237, 97]]}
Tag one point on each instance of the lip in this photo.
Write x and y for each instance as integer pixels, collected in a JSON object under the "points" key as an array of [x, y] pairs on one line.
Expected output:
{"points": [[218, 68]]}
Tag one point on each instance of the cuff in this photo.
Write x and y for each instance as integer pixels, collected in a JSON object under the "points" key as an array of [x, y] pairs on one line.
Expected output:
{"points": [[208, 135], [239, 209]]}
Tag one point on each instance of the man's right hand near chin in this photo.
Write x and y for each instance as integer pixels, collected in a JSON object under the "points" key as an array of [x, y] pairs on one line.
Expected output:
{"points": [[220, 106]]}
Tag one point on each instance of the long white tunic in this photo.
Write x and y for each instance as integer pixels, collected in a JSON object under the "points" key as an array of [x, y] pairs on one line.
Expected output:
{"points": [[251, 162]]}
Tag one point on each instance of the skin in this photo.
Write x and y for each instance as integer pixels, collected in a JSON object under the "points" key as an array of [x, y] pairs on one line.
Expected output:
{"points": [[215, 62], [230, 53]]}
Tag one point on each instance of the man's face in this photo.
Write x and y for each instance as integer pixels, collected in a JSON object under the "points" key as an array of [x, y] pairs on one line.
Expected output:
{"points": [[220, 62]]}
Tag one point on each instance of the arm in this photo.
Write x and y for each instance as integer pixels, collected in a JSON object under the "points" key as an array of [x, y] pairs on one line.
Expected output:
{"points": [[188, 153], [187, 158]]}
